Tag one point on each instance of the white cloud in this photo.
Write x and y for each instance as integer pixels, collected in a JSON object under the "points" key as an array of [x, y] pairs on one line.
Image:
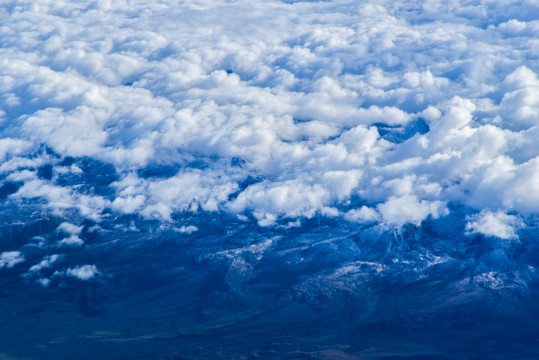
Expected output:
{"points": [[519, 107], [44, 282], [9, 146], [60, 198], [129, 204], [187, 229], [9, 259], [73, 240], [83, 272], [409, 209], [45, 263], [291, 198], [498, 224], [318, 101], [363, 214], [69, 228]]}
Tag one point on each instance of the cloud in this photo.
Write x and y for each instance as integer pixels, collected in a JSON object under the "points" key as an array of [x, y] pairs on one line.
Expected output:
{"points": [[498, 224], [69, 228], [73, 240], [73, 231], [409, 209], [278, 109], [363, 214], [9, 259], [45, 263], [9, 146], [187, 229], [83, 272], [519, 107], [291, 198]]}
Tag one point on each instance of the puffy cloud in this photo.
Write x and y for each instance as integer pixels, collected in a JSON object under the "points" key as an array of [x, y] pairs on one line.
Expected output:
{"points": [[72, 240], [45, 263], [498, 224], [69, 228], [129, 204], [44, 282], [363, 214], [523, 192], [187, 229], [9, 259], [60, 198], [519, 107], [83, 272], [290, 198], [9, 146], [408, 107], [409, 209]]}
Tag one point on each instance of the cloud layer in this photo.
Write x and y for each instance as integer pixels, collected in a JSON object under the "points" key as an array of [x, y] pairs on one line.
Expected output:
{"points": [[375, 111]]}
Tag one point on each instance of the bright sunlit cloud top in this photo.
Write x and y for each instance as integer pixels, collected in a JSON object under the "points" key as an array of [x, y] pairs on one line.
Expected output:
{"points": [[274, 109]]}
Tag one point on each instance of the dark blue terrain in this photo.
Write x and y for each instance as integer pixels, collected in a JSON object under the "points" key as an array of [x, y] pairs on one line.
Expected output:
{"points": [[327, 289]]}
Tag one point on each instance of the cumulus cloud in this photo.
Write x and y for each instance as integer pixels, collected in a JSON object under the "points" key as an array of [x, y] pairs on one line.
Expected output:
{"points": [[363, 214], [9, 259], [498, 224], [45, 263], [83, 272], [69, 228], [72, 240], [73, 231], [279, 109], [408, 209], [187, 229], [9, 146]]}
